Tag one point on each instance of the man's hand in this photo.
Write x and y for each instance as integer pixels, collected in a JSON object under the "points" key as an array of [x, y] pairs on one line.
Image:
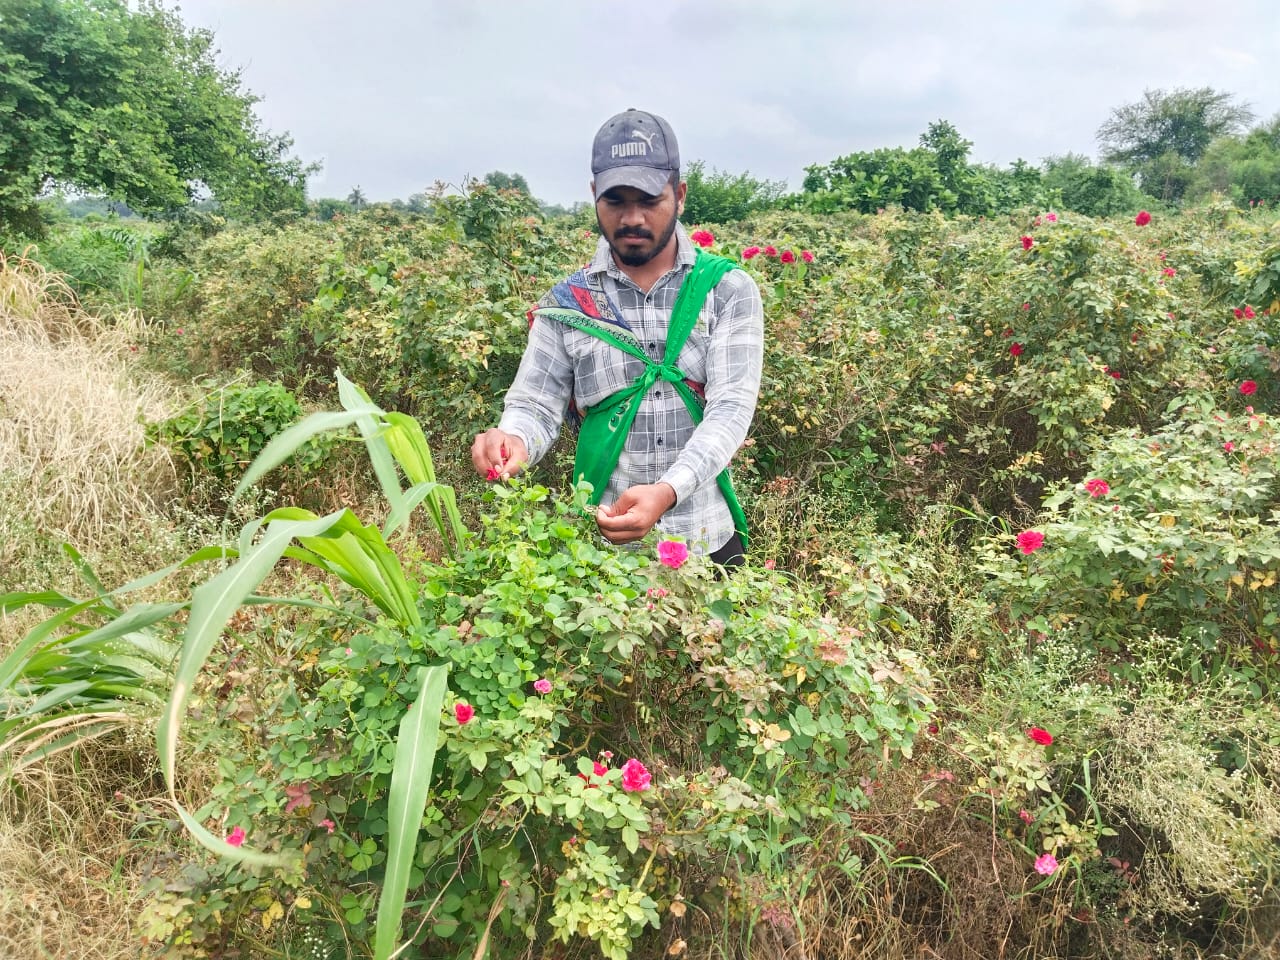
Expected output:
{"points": [[497, 455], [634, 513]]}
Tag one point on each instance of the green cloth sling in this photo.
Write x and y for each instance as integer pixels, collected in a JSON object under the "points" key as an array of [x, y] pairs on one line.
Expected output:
{"points": [[606, 425]]}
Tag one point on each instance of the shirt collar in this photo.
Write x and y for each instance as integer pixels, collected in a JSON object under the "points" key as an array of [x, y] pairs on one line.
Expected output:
{"points": [[602, 261]]}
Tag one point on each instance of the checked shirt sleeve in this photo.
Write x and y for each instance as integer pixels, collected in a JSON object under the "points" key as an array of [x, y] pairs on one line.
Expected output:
{"points": [[539, 395], [734, 361]]}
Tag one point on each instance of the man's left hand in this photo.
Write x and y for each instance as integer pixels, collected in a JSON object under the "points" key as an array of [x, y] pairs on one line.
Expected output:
{"points": [[634, 513]]}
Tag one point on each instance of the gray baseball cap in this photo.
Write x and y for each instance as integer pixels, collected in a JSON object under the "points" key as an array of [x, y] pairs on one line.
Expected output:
{"points": [[634, 149]]}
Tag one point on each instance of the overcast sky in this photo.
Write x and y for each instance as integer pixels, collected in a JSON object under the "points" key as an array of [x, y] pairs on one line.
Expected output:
{"points": [[392, 95]]}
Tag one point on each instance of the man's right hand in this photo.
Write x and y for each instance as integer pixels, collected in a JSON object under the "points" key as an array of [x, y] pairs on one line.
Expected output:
{"points": [[498, 455]]}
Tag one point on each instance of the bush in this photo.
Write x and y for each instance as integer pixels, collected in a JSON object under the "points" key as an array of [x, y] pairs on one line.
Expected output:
{"points": [[1171, 533], [219, 434], [566, 660]]}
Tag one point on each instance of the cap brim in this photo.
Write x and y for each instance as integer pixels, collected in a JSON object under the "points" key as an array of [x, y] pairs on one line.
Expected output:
{"points": [[648, 180]]}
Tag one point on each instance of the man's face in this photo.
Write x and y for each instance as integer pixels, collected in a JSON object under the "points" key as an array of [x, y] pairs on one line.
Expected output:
{"points": [[638, 225]]}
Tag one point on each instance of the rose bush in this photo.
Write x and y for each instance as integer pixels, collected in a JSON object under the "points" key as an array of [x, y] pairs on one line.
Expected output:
{"points": [[563, 655]]}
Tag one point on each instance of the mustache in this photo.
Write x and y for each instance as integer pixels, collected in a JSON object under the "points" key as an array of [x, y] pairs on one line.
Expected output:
{"points": [[640, 233]]}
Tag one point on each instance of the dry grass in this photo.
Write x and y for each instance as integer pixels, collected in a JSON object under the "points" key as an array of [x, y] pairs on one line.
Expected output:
{"points": [[72, 452], [70, 880]]}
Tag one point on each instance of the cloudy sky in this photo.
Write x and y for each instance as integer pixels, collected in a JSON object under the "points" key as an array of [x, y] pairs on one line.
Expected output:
{"points": [[393, 95]]}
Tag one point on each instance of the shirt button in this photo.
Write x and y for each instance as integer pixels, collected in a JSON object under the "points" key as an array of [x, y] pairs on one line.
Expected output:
{"points": [[659, 441]]}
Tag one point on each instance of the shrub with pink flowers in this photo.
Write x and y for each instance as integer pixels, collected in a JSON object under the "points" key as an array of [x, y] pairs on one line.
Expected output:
{"points": [[559, 799]]}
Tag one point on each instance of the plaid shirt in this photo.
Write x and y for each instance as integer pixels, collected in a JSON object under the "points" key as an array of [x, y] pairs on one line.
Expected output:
{"points": [[724, 352]]}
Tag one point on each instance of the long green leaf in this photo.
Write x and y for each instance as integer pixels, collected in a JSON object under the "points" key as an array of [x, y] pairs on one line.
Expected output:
{"points": [[85, 570], [9, 602], [212, 604], [359, 555], [287, 442], [371, 430], [409, 446], [410, 787]]}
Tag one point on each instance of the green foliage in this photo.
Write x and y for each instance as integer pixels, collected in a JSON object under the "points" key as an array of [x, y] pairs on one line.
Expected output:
{"points": [[1182, 543], [721, 197], [89, 669], [113, 266], [1245, 168], [127, 102], [1096, 191], [1183, 121], [899, 444], [1157, 794], [533, 811], [507, 181], [1162, 136], [934, 176], [220, 433]]}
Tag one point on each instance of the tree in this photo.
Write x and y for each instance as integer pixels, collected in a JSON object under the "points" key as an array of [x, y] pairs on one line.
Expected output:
{"points": [[1163, 135], [507, 181], [718, 197], [1096, 191], [121, 99], [357, 199], [1247, 169]]}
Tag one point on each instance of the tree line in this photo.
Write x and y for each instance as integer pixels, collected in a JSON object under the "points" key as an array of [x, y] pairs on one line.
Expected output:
{"points": [[123, 101]]}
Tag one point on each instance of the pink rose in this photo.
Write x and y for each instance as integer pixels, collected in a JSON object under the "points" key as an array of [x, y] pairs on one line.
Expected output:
{"points": [[750, 252], [1051, 217], [542, 685], [1097, 487], [672, 553], [787, 257], [1248, 387], [1142, 219], [806, 256], [770, 251], [236, 836], [1027, 243], [463, 712], [703, 238], [1016, 349], [1046, 864], [1029, 541], [634, 776]]}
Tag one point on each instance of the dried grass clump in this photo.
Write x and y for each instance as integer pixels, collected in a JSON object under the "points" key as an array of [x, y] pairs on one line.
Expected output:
{"points": [[70, 880], [1211, 834], [72, 451]]}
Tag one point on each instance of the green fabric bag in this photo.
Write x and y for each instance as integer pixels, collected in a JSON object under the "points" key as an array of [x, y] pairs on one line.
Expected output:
{"points": [[606, 425]]}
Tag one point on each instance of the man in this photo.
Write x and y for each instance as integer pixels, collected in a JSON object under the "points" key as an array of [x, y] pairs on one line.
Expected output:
{"points": [[600, 340]]}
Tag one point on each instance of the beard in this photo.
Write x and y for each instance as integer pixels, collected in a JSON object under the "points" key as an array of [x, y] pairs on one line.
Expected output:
{"points": [[637, 258]]}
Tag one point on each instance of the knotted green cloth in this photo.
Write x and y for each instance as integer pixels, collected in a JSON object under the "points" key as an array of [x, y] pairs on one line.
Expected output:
{"points": [[606, 425]]}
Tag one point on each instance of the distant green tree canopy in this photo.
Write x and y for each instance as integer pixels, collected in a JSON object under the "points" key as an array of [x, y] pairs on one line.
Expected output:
{"points": [[936, 175], [1162, 137], [719, 197], [1091, 189], [1245, 168], [121, 99], [508, 181]]}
